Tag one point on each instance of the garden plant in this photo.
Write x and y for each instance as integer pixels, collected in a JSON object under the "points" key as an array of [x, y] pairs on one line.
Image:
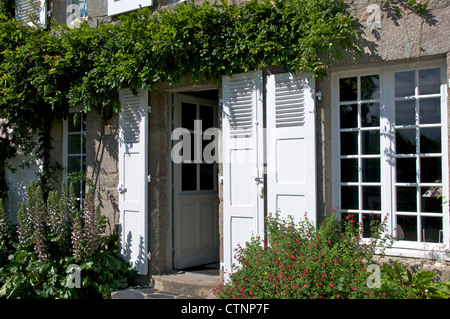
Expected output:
{"points": [[333, 261], [52, 240]]}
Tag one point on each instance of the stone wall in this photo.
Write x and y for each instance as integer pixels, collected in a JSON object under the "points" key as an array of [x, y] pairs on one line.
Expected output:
{"points": [[101, 162]]}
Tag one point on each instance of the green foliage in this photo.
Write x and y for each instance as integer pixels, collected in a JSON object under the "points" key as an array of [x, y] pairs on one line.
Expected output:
{"points": [[396, 278], [53, 235], [299, 261], [7, 7]]}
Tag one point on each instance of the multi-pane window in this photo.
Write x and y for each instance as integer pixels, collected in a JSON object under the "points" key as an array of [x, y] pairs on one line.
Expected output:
{"points": [[197, 173], [360, 152], [418, 155], [392, 151], [76, 152]]}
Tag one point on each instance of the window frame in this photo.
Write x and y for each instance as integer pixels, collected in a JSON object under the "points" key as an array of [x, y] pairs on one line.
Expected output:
{"points": [[122, 6], [65, 151], [387, 132]]}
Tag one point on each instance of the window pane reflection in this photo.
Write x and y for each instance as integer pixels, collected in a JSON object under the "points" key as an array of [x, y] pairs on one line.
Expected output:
{"points": [[405, 112], [407, 227], [430, 140], [370, 87], [349, 197], [349, 116], [370, 114], [348, 89], [429, 81], [405, 83], [406, 199]]}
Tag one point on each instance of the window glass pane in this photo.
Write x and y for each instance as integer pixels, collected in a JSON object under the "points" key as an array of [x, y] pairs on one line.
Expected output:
{"points": [[206, 176], [349, 197], [370, 223], [406, 170], [406, 199], [74, 127], [74, 164], [431, 227], [74, 143], [370, 113], [349, 116], [349, 170], [370, 142], [77, 187], [188, 177], [371, 172], [405, 84], [405, 141], [407, 227], [429, 81], [349, 143], [405, 112], [430, 140], [188, 115], [430, 111], [371, 197], [370, 87], [348, 89], [431, 199], [207, 116], [430, 169]]}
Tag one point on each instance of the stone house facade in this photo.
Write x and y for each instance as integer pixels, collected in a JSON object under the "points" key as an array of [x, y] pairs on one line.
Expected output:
{"points": [[376, 135]]}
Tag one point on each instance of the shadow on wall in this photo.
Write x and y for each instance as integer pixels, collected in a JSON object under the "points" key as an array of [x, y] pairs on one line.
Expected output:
{"points": [[371, 18], [137, 258], [104, 168]]}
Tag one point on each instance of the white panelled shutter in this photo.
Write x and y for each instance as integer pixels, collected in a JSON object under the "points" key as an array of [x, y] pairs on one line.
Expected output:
{"points": [[291, 159], [242, 122], [133, 159], [32, 10]]}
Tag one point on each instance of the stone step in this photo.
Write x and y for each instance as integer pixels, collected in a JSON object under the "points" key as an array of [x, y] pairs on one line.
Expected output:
{"points": [[187, 283]]}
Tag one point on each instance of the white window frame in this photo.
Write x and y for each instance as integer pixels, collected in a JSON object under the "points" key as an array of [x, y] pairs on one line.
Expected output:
{"points": [[65, 152], [400, 248], [121, 6]]}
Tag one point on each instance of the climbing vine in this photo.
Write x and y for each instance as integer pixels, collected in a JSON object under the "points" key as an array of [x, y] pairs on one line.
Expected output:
{"points": [[45, 72]]}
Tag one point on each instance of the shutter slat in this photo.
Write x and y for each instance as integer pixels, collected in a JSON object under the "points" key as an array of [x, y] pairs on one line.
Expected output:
{"points": [[289, 103]]}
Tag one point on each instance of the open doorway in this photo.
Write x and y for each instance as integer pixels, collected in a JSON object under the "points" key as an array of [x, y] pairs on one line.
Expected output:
{"points": [[195, 183]]}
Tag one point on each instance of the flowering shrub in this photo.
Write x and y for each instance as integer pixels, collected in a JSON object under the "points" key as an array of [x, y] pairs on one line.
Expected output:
{"points": [[51, 236], [299, 261]]}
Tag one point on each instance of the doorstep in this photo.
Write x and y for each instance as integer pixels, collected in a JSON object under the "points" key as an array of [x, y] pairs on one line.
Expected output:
{"points": [[187, 283]]}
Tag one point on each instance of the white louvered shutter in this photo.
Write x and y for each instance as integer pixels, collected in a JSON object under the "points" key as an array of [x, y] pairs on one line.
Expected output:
{"points": [[133, 159], [291, 151], [32, 10], [242, 121]]}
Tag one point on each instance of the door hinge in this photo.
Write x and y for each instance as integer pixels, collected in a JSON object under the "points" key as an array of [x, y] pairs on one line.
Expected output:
{"points": [[149, 178], [318, 95]]}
